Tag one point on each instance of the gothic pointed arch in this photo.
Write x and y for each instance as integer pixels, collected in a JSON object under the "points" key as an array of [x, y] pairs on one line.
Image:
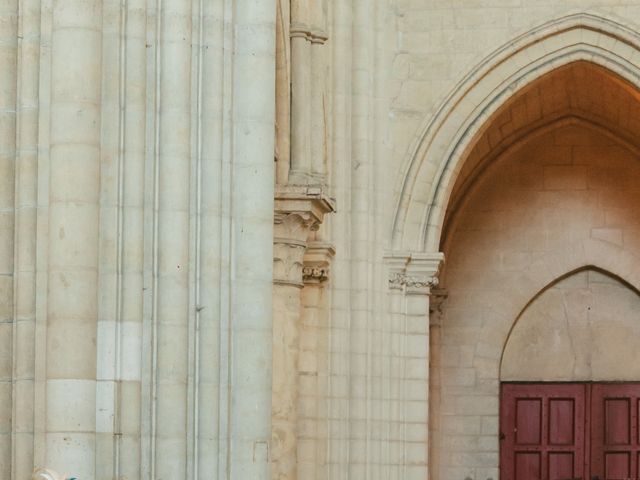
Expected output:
{"points": [[567, 330], [444, 142]]}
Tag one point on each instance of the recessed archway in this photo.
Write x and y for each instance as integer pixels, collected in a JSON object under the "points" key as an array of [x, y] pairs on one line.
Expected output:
{"points": [[537, 195], [444, 143]]}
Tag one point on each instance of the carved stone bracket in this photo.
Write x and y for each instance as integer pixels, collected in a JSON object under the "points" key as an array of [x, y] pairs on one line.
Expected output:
{"points": [[299, 210]]}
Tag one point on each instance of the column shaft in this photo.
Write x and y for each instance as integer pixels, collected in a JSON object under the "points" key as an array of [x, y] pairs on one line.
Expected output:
{"points": [[211, 273], [74, 194], [8, 96], [290, 235], [25, 251], [173, 240], [286, 316], [283, 92], [312, 362], [317, 113], [251, 266], [131, 205], [300, 94]]}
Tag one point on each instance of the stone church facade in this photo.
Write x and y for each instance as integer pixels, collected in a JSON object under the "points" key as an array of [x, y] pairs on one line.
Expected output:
{"points": [[311, 239]]}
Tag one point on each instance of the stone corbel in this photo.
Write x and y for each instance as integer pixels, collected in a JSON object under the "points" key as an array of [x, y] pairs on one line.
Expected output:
{"points": [[299, 210], [308, 201]]}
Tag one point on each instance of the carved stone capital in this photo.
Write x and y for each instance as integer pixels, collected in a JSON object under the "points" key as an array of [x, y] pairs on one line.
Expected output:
{"points": [[422, 272], [414, 273], [299, 210], [397, 267], [317, 263]]}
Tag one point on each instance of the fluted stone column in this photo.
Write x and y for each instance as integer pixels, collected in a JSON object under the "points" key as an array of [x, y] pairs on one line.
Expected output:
{"points": [[74, 194], [297, 213]]}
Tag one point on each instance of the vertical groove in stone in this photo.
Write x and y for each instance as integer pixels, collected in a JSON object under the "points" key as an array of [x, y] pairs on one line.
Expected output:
{"points": [[154, 37], [132, 219], [173, 241], [8, 99], [25, 252], [74, 197], [110, 273], [225, 172], [382, 198], [210, 262], [195, 264]]}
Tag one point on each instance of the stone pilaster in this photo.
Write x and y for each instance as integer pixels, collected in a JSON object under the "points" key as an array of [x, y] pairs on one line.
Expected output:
{"points": [[298, 211], [411, 280]]}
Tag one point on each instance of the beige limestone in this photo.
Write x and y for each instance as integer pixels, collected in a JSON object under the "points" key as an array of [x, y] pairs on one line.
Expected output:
{"points": [[525, 226], [72, 314], [583, 328], [137, 212]]}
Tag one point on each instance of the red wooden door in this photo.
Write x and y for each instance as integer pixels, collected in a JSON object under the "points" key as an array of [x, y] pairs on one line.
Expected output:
{"points": [[542, 431], [615, 446]]}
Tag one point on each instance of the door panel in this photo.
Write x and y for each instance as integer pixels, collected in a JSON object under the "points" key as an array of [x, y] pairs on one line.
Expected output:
{"points": [[542, 431], [615, 445]]}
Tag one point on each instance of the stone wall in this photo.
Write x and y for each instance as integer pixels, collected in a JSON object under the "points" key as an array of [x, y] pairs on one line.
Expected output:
{"points": [[136, 155], [546, 208], [189, 185]]}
